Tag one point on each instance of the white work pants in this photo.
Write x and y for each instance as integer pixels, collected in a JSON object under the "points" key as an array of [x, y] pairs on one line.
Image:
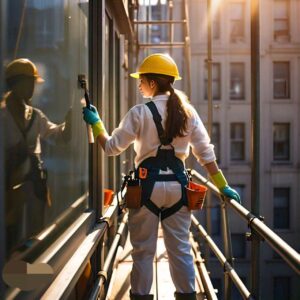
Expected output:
{"points": [[143, 227]]}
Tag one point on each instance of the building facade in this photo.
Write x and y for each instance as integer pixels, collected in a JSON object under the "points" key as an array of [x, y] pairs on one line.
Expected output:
{"points": [[231, 133]]}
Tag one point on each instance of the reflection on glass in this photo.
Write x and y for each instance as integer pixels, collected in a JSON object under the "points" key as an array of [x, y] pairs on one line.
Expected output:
{"points": [[46, 159]]}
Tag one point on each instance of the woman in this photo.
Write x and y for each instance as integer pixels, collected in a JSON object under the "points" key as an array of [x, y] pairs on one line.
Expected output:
{"points": [[162, 132]]}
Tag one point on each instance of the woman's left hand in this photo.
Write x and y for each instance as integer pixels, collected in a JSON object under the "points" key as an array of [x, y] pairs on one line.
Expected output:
{"points": [[231, 193]]}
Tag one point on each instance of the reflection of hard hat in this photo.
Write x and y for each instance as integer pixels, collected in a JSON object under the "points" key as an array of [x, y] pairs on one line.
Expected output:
{"points": [[158, 64], [22, 66]]}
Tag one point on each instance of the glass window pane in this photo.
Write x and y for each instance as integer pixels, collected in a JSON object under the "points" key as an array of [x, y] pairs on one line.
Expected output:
{"points": [[281, 141], [217, 284], [238, 245], [281, 80], [237, 136], [216, 25], [281, 288], [237, 20], [280, 9], [216, 82], [240, 189], [237, 81], [236, 11], [281, 208], [46, 147]]}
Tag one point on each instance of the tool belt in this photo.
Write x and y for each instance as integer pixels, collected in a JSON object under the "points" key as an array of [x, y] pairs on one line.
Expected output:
{"points": [[140, 183]]}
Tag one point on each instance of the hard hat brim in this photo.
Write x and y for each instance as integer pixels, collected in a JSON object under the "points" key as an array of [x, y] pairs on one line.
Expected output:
{"points": [[136, 75], [39, 79]]}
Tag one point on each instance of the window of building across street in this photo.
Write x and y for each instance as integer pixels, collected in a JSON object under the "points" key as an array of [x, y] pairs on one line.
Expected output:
{"points": [[281, 141], [281, 19], [281, 208], [238, 245], [216, 81], [237, 81], [237, 138], [281, 80], [281, 288], [237, 21]]}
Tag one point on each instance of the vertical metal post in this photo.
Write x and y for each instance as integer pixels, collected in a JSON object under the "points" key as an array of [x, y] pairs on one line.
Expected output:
{"points": [[210, 107], [149, 17], [171, 26], [227, 248], [3, 19], [187, 48], [255, 140]]}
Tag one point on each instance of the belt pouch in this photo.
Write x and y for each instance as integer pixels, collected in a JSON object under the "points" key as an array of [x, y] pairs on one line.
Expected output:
{"points": [[133, 194], [195, 195]]}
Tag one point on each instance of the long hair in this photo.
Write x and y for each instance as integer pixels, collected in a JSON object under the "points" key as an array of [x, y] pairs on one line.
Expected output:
{"points": [[177, 113]]}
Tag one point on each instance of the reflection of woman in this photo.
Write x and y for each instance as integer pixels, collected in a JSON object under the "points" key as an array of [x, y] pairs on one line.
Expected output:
{"points": [[26, 187], [162, 131]]}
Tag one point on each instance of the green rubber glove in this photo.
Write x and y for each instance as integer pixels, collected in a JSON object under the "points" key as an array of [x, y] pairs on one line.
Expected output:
{"points": [[222, 184], [98, 128]]}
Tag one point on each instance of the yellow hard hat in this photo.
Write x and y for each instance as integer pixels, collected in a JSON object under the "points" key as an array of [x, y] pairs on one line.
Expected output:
{"points": [[22, 66], [158, 63]]}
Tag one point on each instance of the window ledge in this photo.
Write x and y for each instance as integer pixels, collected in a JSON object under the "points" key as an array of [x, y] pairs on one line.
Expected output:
{"points": [[236, 163], [282, 100], [67, 278], [59, 250], [276, 163], [240, 100], [283, 230]]}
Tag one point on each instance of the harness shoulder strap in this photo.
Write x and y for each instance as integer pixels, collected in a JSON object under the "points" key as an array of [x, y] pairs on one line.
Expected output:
{"points": [[157, 120], [26, 130]]}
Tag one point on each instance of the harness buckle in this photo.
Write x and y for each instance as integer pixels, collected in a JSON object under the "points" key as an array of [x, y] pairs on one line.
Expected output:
{"points": [[143, 172]]}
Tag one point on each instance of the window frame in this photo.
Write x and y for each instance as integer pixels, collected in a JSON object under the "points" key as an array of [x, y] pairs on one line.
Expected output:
{"points": [[240, 21], [238, 140], [241, 237], [279, 34], [278, 80], [287, 208], [275, 284], [242, 80], [277, 159], [215, 80]]}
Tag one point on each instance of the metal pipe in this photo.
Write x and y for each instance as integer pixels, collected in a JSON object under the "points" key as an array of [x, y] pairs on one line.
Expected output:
{"points": [[209, 106], [159, 22], [187, 49], [227, 247], [102, 274], [291, 256], [205, 278], [171, 27], [162, 45], [255, 138], [226, 265]]}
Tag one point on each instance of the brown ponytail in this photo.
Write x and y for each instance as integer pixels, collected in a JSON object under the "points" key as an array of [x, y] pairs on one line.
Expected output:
{"points": [[177, 114]]}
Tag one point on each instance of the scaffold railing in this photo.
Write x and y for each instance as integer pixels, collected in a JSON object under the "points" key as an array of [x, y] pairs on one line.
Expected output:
{"points": [[255, 223]]}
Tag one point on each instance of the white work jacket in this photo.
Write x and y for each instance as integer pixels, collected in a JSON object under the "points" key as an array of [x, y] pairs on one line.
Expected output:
{"points": [[139, 128], [41, 128]]}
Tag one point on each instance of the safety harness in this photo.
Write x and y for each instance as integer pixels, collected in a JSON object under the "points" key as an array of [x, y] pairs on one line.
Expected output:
{"points": [[148, 170]]}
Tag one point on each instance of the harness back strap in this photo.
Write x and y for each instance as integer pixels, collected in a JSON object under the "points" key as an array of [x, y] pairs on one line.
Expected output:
{"points": [[164, 158], [157, 120]]}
